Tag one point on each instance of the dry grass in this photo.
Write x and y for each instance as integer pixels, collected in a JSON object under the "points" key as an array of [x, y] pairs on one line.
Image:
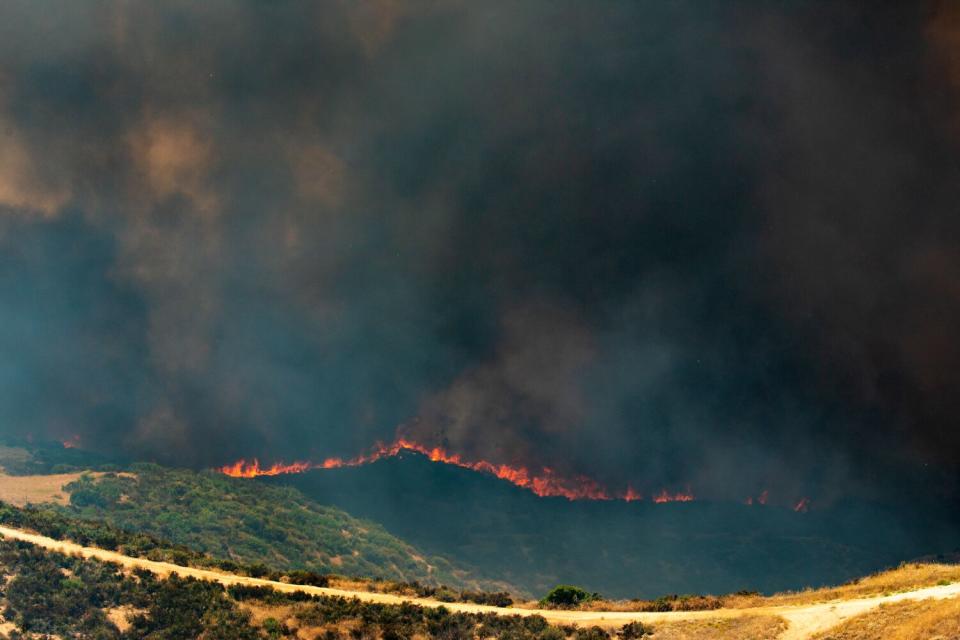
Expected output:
{"points": [[906, 620], [904, 578], [682, 603], [741, 628], [260, 612], [121, 616], [23, 490], [286, 614]]}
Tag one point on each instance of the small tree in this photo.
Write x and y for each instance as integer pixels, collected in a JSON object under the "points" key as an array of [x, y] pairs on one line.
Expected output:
{"points": [[565, 595]]}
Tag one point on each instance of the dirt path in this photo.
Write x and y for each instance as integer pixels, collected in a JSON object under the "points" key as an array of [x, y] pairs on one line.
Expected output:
{"points": [[804, 620]]}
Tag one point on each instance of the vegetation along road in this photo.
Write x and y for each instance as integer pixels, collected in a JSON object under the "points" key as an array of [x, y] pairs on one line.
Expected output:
{"points": [[803, 620]]}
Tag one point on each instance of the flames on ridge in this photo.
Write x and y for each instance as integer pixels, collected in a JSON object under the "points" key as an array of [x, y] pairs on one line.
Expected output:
{"points": [[545, 482], [252, 469]]}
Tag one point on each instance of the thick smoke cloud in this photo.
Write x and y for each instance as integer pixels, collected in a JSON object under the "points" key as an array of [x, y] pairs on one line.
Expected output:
{"points": [[657, 243]]}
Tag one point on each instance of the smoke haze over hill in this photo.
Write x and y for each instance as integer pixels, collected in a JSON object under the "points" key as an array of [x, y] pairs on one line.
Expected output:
{"points": [[659, 244]]}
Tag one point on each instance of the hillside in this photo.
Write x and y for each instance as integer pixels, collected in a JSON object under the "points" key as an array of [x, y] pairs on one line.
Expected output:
{"points": [[252, 523], [227, 518], [623, 550]]}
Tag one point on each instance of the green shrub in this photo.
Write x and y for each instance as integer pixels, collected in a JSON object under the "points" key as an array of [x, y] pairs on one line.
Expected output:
{"points": [[565, 595]]}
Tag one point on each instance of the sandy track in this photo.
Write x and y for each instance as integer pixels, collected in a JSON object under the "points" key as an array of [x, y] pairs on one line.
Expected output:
{"points": [[804, 620]]}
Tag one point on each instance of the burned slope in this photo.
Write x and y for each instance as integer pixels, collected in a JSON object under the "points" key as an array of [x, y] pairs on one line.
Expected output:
{"points": [[621, 549]]}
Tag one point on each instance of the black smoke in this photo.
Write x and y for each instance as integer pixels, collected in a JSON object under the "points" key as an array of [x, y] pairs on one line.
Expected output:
{"points": [[705, 243]]}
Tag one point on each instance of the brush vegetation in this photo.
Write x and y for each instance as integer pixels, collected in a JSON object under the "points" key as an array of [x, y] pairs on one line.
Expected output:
{"points": [[253, 524], [53, 594]]}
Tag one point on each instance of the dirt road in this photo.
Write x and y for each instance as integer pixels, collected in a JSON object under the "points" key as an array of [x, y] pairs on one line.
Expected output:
{"points": [[803, 620]]}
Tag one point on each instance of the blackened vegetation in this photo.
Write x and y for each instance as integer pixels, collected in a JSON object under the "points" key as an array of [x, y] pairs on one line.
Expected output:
{"points": [[51, 593]]}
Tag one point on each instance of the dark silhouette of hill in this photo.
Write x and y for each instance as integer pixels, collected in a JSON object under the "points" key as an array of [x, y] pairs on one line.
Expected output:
{"points": [[620, 549]]}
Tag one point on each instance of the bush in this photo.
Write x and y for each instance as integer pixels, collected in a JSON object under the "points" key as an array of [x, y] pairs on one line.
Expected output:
{"points": [[633, 630], [565, 595], [593, 633]]}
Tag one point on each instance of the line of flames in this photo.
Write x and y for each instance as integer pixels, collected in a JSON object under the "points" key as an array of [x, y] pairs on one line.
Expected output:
{"points": [[546, 483]]}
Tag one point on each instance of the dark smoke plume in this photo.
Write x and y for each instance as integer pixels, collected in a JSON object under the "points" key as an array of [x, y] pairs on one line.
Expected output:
{"points": [[705, 243]]}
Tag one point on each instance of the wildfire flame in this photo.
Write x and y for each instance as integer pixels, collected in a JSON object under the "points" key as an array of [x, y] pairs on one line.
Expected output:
{"points": [[666, 496], [252, 469], [546, 482]]}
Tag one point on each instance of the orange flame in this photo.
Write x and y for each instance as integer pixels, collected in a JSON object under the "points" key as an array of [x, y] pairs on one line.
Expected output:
{"points": [[244, 469], [803, 506], [666, 496], [545, 483]]}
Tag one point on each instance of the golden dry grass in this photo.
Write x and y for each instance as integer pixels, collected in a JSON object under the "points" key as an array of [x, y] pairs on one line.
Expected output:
{"points": [[907, 577], [260, 612], [286, 614], [685, 603], [23, 490], [121, 616], [906, 620], [741, 628]]}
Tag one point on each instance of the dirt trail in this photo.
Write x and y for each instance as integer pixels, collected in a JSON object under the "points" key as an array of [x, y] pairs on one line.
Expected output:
{"points": [[804, 620]]}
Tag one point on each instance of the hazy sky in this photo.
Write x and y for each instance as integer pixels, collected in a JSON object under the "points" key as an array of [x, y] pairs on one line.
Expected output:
{"points": [[654, 242]]}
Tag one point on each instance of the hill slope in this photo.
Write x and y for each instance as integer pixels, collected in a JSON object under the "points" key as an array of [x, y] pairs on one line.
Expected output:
{"points": [[253, 523], [620, 549]]}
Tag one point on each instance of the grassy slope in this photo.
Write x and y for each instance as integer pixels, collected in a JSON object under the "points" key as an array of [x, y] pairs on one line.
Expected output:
{"points": [[908, 620], [745, 628], [907, 577], [252, 523]]}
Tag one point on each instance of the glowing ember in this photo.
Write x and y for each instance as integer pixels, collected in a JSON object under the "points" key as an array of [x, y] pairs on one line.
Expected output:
{"points": [[666, 496], [802, 506], [73, 442]]}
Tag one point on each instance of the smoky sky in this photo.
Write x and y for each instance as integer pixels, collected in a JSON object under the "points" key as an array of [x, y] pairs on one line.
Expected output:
{"points": [[663, 243]]}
